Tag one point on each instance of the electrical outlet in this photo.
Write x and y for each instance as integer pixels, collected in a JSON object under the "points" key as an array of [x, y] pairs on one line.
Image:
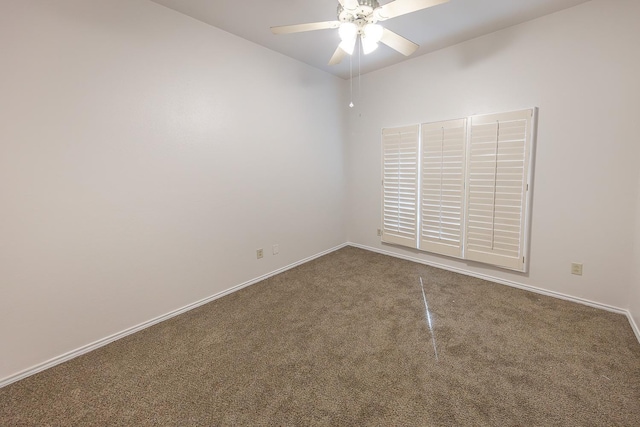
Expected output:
{"points": [[276, 249], [379, 232], [576, 268], [259, 253]]}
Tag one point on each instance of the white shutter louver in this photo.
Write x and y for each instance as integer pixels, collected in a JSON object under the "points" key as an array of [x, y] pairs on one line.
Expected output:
{"points": [[400, 185], [442, 187], [498, 170]]}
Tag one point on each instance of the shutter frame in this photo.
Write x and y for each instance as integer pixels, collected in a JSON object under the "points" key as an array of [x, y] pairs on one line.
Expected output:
{"points": [[497, 219], [442, 203], [400, 157]]}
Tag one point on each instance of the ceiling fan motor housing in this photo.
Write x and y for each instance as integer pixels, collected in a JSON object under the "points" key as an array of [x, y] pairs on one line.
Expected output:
{"points": [[364, 12]]}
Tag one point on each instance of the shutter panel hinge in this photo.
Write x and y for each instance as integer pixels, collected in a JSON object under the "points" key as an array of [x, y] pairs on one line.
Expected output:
{"points": [[523, 260], [527, 187]]}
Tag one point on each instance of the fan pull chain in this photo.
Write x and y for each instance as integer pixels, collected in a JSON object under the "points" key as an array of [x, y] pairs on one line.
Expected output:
{"points": [[351, 79], [359, 74]]}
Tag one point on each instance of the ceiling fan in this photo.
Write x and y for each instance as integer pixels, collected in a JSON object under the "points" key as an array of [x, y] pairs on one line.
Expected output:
{"points": [[359, 18]]}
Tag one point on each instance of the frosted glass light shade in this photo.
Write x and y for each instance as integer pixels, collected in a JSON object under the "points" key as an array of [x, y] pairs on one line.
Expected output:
{"points": [[371, 35], [348, 45], [348, 31], [368, 45], [373, 32]]}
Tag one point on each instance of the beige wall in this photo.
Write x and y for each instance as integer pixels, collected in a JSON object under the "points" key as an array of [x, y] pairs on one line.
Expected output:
{"points": [[634, 294], [144, 157]]}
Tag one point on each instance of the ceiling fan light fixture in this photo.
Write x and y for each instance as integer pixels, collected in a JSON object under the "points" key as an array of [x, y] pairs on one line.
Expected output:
{"points": [[348, 45], [348, 31], [368, 45], [358, 19], [373, 32], [371, 35]]}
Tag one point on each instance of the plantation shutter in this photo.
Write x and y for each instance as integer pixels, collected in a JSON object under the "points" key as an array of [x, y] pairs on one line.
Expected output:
{"points": [[442, 187], [498, 170], [400, 185]]}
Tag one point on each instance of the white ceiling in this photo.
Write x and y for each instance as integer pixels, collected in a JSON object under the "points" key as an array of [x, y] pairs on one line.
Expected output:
{"points": [[433, 28]]}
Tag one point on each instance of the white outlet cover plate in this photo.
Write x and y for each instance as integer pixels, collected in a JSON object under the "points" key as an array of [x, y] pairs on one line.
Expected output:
{"points": [[576, 268]]}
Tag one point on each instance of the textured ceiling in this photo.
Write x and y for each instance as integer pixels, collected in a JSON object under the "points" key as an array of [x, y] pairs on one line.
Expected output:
{"points": [[433, 28]]}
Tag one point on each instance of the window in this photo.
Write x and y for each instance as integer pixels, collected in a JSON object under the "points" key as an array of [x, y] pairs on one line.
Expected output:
{"points": [[460, 187]]}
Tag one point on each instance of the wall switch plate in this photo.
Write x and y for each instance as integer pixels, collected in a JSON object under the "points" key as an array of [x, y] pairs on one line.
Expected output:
{"points": [[379, 232], [276, 249], [259, 253], [576, 268]]}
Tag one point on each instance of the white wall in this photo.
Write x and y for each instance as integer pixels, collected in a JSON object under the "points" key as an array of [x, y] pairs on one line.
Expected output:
{"points": [[580, 67], [144, 157]]}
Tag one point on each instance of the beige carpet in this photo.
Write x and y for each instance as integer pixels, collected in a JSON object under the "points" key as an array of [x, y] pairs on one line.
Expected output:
{"points": [[347, 340]]}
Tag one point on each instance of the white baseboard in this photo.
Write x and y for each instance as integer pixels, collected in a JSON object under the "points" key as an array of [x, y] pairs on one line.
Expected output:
{"points": [[511, 283], [104, 341], [634, 325]]}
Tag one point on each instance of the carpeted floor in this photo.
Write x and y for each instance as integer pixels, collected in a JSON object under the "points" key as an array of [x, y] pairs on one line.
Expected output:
{"points": [[347, 339]]}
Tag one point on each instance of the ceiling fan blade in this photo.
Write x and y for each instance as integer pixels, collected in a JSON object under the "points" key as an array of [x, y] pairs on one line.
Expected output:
{"points": [[337, 56], [299, 28], [402, 7], [399, 43]]}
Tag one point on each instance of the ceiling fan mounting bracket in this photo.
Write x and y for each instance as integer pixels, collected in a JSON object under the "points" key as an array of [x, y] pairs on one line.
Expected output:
{"points": [[363, 13]]}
